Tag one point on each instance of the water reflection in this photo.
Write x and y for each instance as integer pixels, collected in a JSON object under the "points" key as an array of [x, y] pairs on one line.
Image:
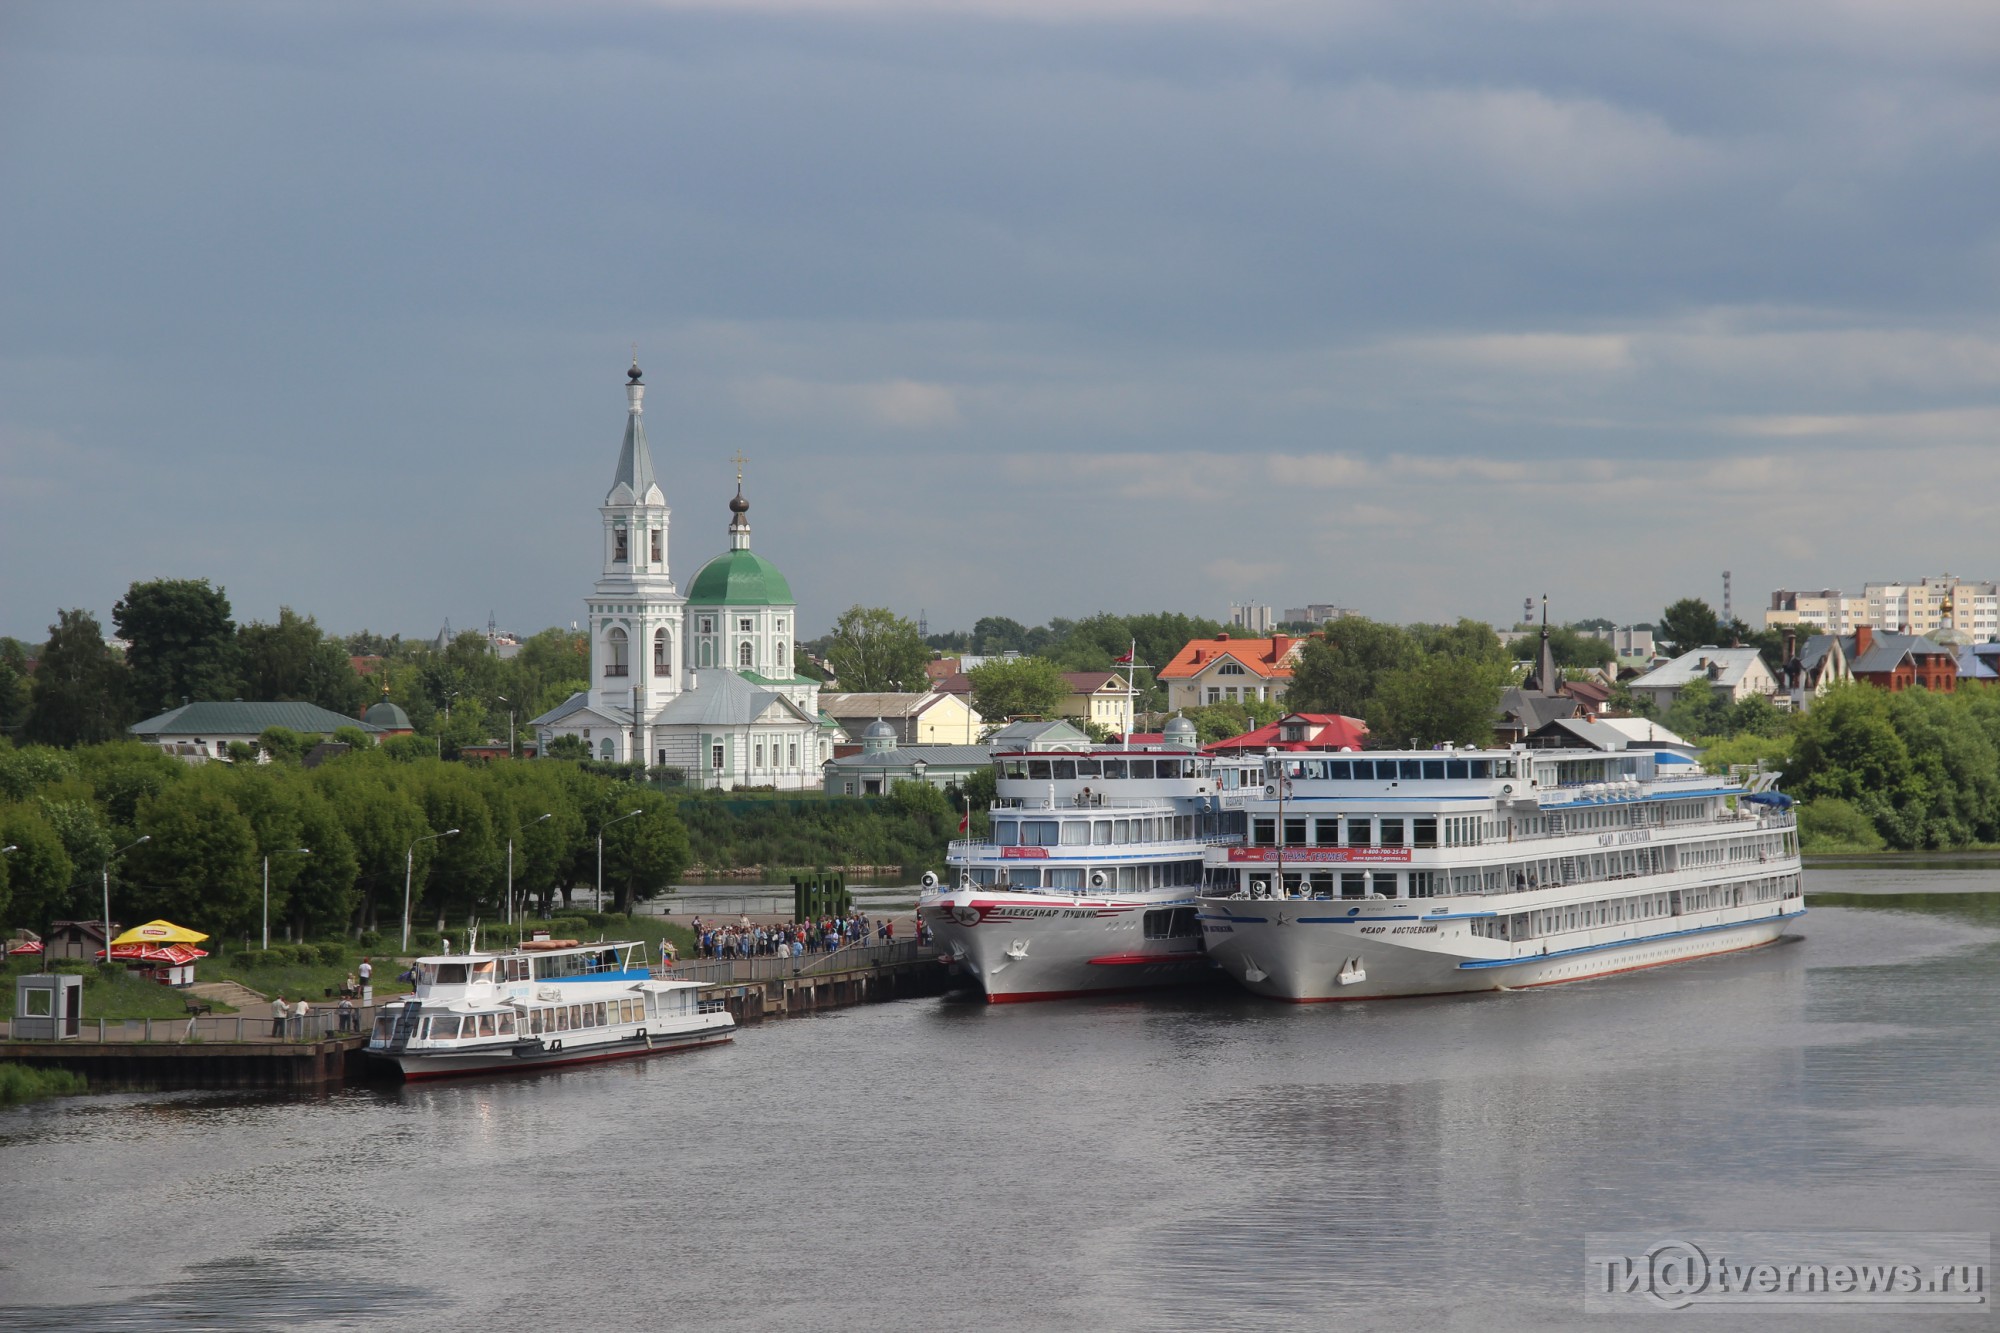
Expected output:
{"points": [[1194, 1161]]}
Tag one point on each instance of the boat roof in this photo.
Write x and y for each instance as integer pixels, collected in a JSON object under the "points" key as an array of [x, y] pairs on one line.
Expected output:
{"points": [[595, 946]]}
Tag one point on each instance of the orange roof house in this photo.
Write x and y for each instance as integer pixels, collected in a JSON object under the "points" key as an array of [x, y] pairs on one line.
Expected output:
{"points": [[1209, 671], [1298, 731]]}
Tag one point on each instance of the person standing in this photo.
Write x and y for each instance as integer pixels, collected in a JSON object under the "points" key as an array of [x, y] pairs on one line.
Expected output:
{"points": [[367, 971], [300, 1013], [346, 1014], [278, 1015]]}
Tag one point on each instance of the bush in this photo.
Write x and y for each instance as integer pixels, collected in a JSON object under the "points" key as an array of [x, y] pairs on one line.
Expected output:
{"points": [[369, 940], [21, 1083], [1830, 824], [332, 954]]}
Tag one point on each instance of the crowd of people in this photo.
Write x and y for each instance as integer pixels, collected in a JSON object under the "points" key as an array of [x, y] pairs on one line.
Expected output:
{"points": [[792, 939]]}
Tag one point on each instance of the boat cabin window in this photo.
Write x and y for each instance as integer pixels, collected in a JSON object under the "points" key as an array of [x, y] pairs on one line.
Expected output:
{"points": [[440, 974], [1064, 768], [441, 1027], [1295, 830], [1038, 833], [1006, 832], [1360, 833], [484, 969], [1040, 768], [1141, 768], [1115, 768], [1392, 832], [1088, 768]]}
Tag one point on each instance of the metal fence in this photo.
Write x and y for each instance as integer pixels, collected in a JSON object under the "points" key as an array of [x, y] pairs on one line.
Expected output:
{"points": [[315, 1026]]}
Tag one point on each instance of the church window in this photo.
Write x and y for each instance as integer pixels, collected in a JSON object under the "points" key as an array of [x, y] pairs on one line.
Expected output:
{"points": [[662, 651], [607, 751], [715, 757], [743, 655], [708, 624], [615, 661], [618, 545], [760, 754], [658, 537], [780, 626], [778, 658], [743, 624], [792, 757], [662, 760]]}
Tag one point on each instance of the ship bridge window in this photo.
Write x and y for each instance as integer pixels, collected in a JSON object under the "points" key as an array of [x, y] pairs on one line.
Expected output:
{"points": [[1339, 768], [1456, 768], [446, 974], [1412, 769], [1039, 768], [1142, 768], [1433, 768], [1088, 768], [1012, 768], [1064, 768], [1174, 923], [442, 1027]]}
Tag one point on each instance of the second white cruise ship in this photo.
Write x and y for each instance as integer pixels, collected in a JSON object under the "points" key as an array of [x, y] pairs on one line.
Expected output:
{"points": [[1430, 872]]}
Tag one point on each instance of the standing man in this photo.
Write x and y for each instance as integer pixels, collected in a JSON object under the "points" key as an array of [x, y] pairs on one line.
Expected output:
{"points": [[278, 1015], [300, 1014], [367, 971], [346, 1014]]}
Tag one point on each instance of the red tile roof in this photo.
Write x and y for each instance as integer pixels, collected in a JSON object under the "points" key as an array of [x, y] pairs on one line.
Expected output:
{"points": [[1324, 731], [1271, 658]]}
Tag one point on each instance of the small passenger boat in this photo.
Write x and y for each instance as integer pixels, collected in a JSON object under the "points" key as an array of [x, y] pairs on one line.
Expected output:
{"points": [[546, 1003]]}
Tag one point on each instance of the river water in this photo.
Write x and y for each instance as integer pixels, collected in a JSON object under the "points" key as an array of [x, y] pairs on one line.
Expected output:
{"points": [[1195, 1162]]}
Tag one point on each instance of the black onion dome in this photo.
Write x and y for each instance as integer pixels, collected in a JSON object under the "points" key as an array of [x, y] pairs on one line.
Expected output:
{"points": [[739, 505], [634, 373]]}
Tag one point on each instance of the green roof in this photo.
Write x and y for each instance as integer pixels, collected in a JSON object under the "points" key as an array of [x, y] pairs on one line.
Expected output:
{"points": [[739, 578], [237, 718]]}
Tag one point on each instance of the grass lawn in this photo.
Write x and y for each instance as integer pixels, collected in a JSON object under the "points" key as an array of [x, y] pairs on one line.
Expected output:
{"points": [[120, 995]]}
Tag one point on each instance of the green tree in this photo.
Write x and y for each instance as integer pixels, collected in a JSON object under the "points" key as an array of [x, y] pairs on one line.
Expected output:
{"points": [[567, 747], [1338, 672], [1573, 649], [39, 870], [16, 686], [465, 868], [382, 822], [1699, 710], [321, 897], [1441, 699], [183, 642], [200, 867], [1017, 687], [120, 774], [69, 812], [81, 690], [27, 770], [1692, 623], [1848, 749], [645, 854], [293, 660], [874, 650]]}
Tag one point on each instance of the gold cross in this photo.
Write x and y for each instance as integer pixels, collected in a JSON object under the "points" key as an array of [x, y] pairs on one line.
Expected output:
{"points": [[739, 460]]}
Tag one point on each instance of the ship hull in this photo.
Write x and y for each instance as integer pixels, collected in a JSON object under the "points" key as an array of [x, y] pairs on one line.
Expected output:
{"points": [[1291, 950], [1020, 947]]}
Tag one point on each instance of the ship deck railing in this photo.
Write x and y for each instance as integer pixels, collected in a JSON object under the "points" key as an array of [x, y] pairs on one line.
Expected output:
{"points": [[1083, 851], [1096, 802]]}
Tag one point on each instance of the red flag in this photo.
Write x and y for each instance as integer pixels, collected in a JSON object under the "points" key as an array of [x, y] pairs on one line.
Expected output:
{"points": [[965, 821], [1123, 659]]}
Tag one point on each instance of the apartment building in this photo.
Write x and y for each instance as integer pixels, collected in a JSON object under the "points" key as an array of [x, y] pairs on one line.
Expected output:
{"points": [[1961, 609]]}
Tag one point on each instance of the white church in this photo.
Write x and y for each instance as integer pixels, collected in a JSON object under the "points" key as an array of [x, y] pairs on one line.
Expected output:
{"points": [[702, 682]]}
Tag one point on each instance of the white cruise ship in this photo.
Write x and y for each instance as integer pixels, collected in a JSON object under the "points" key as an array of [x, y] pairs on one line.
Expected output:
{"points": [[1089, 881], [1431, 872]]}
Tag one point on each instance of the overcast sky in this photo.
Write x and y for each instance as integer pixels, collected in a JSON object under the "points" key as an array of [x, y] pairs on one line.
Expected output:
{"points": [[1020, 307]]}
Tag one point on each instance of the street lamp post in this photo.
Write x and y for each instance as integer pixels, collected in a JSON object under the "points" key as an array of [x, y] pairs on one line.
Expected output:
{"points": [[501, 698], [147, 837], [600, 854], [510, 860], [302, 851], [409, 865]]}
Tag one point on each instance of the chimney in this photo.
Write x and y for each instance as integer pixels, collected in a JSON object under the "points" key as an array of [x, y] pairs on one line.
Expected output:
{"points": [[1864, 639], [1280, 643]]}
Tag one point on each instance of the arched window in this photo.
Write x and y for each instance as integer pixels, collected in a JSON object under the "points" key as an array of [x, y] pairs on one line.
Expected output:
{"points": [[662, 651], [743, 654], [616, 662], [708, 652], [618, 540], [607, 751], [780, 662]]}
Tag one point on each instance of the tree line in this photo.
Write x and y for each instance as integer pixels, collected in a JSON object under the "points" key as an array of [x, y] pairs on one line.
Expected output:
{"points": [[362, 820], [184, 645]]}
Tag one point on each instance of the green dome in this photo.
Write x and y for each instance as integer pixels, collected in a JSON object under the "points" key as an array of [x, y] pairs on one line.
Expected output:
{"points": [[740, 578]]}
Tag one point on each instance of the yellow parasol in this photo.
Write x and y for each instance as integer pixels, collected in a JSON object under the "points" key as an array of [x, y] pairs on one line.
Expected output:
{"points": [[160, 932]]}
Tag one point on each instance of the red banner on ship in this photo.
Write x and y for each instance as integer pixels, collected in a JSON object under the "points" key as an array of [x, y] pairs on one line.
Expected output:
{"points": [[1323, 855], [1032, 853]]}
